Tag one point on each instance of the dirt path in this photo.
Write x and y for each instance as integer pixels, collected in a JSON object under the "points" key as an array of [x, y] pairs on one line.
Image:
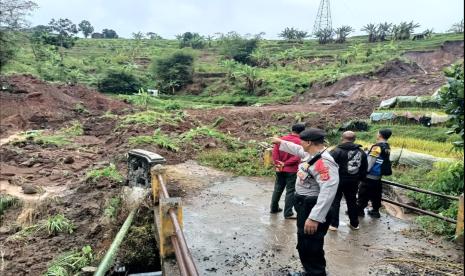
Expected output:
{"points": [[230, 232]]}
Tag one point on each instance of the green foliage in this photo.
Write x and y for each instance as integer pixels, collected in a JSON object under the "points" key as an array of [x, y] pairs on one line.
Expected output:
{"points": [[86, 28], [151, 118], [205, 131], [234, 46], [158, 138], [251, 79], [110, 172], [173, 72], [109, 33], [451, 97], [446, 178], [189, 39], [342, 33], [247, 161], [292, 34], [457, 27], [324, 36], [112, 207], [74, 130], [57, 224], [7, 51], [7, 201], [70, 263], [119, 82]]}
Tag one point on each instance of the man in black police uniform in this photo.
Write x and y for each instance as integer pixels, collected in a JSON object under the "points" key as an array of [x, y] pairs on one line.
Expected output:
{"points": [[316, 186]]}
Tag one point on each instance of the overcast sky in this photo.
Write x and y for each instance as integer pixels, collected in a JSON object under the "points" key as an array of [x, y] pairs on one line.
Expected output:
{"points": [[171, 17]]}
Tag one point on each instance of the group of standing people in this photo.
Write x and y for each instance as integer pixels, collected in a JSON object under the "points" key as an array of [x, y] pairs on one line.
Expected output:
{"points": [[315, 179]]}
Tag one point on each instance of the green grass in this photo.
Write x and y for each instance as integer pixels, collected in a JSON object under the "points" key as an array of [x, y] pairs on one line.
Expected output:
{"points": [[70, 263], [112, 207], [52, 226], [206, 131], [7, 201], [74, 130], [59, 223], [151, 118], [437, 134], [445, 178], [157, 138], [110, 172], [247, 161]]}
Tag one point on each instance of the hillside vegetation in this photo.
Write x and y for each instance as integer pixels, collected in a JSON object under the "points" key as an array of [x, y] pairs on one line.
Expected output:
{"points": [[282, 69]]}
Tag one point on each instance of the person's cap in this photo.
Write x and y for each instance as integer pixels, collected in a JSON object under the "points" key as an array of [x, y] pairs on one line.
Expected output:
{"points": [[386, 133], [313, 134]]}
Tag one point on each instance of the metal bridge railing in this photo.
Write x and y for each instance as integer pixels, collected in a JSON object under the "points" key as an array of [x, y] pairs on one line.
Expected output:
{"points": [[460, 215], [171, 236]]}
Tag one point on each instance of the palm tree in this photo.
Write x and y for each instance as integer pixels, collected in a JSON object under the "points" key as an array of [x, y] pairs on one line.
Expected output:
{"points": [[383, 30], [342, 33], [324, 36], [371, 30]]}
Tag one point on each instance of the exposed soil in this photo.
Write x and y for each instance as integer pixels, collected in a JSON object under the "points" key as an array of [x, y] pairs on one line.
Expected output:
{"points": [[59, 172]]}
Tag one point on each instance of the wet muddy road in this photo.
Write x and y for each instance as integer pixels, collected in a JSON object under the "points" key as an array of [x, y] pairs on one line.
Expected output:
{"points": [[230, 232]]}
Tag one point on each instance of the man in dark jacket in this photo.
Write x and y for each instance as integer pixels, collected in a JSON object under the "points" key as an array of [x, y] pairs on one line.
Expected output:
{"points": [[286, 166], [379, 164], [352, 162]]}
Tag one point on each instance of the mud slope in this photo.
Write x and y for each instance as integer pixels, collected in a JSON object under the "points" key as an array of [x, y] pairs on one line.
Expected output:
{"points": [[27, 102], [422, 76]]}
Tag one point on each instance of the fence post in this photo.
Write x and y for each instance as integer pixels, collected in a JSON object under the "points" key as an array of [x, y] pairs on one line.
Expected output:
{"points": [[166, 226], [459, 228], [268, 157], [154, 172]]}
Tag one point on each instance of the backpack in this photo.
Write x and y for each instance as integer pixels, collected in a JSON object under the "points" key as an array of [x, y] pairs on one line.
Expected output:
{"points": [[354, 161], [382, 164]]}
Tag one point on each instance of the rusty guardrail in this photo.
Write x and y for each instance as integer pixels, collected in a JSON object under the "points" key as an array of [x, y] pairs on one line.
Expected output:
{"points": [[460, 215], [171, 236]]}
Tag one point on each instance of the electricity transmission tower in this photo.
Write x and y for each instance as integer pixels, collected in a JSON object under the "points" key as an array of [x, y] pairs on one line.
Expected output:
{"points": [[323, 17]]}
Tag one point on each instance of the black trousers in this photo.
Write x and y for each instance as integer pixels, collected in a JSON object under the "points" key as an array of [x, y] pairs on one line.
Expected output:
{"points": [[284, 180], [370, 190], [310, 247], [348, 188]]}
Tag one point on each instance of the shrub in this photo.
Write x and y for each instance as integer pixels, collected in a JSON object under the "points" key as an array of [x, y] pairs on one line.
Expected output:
{"points": [[57, 224], [119, 82], [158, 139], [70, 263], [174, 71], [7, 201], [109, 172], [205, 131], [242, 162], [239, 48]]}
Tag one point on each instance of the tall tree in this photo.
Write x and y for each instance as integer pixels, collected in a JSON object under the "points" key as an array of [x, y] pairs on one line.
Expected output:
{"points": [[342, 33], [383, 30], [457, 27], [63, 36], [86, 28], [109, 33], [371, 30], [12, 18], [292, 34]]}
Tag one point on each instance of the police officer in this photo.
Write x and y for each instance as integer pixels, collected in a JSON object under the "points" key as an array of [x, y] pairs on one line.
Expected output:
{"points": [[316, 186]]}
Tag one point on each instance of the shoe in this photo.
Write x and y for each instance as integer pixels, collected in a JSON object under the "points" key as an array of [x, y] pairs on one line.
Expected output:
{"points": [[332, 228], [291, 217], [354, 227], [374, 214], [276, 211]]}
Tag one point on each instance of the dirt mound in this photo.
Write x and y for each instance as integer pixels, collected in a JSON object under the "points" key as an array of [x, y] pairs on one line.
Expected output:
{"points": [[432, 61], [27, 102], [397, 68]]}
